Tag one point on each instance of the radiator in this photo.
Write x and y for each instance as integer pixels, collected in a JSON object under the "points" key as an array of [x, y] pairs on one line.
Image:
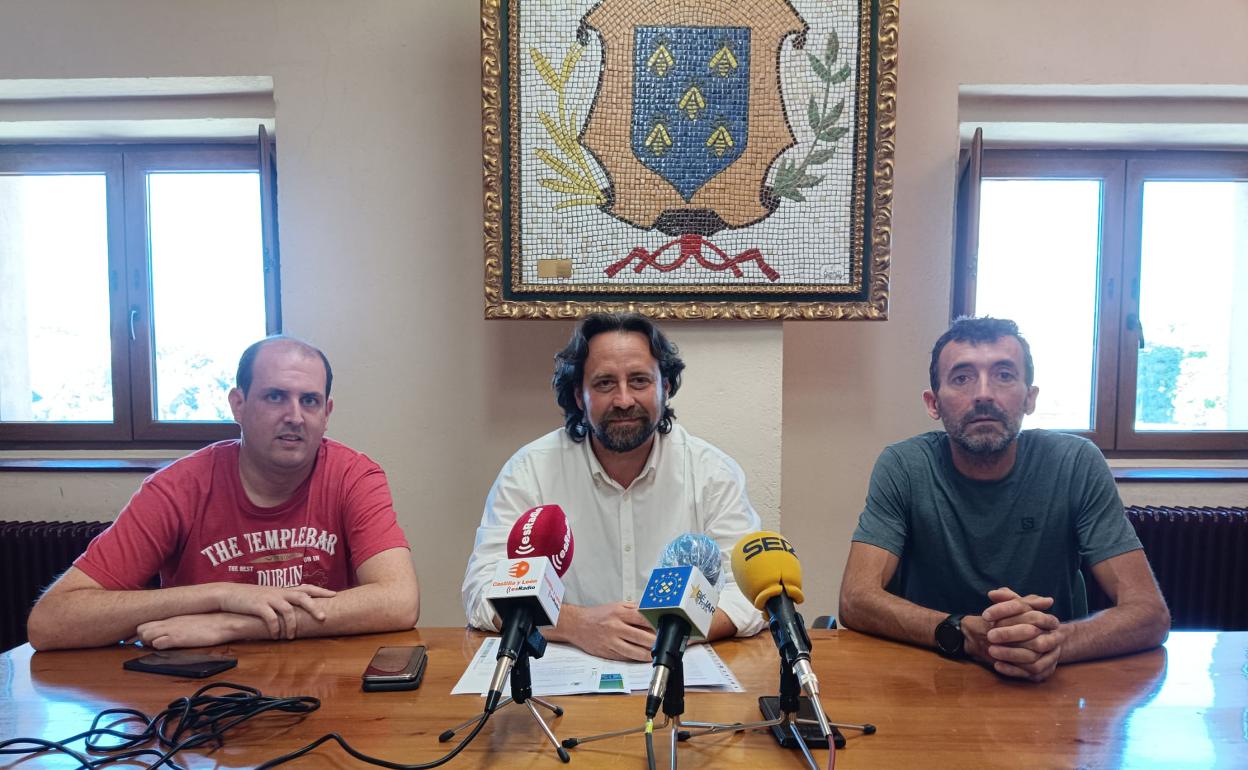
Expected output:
{"points": [[1200, 559], [32, 555]]}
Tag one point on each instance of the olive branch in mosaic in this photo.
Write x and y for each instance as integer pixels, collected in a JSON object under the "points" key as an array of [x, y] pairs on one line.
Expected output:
{"points": [[575, 178], [792, 178]]}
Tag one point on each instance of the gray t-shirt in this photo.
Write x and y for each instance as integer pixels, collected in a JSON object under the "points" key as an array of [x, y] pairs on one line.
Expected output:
{"points": [[958, 538]]}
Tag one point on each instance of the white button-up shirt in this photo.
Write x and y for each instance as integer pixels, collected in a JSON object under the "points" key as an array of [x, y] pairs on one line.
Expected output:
{"points": [[687, 485]]}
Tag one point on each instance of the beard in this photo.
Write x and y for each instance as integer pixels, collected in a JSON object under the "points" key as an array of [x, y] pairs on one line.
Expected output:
{"points": [[985, 439], [622, 437]]}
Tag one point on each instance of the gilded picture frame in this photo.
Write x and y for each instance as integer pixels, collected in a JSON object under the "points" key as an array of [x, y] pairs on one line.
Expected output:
{"points": [[691, 159]]}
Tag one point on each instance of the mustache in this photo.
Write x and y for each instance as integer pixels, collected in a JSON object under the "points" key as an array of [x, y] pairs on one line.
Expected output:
{"points": [[636, 413], [985, 410]]}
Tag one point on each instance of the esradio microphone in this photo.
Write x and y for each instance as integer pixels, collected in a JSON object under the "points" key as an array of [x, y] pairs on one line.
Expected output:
{"points": [[679, 602], [526, 591], [767, 571]]}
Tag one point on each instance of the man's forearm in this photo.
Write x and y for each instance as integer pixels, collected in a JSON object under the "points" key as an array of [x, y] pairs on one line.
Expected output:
{"points": [[360, 610], [883, 614], [1116, 631], [370, 608], [564, 630], [94, 617]]}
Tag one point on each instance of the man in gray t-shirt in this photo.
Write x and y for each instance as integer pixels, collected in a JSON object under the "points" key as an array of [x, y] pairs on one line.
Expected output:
{"points": [[971, 538]]}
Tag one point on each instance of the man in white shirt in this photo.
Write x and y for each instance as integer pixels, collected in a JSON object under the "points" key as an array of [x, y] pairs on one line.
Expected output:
{"points": [[638, 482]]}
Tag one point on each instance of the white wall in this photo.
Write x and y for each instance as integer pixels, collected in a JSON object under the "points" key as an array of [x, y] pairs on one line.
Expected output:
{"points": [[378, 115]]}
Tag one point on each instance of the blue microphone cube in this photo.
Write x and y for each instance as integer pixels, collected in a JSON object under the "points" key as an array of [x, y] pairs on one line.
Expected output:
{"points": [[665, 588], [682, 591]]}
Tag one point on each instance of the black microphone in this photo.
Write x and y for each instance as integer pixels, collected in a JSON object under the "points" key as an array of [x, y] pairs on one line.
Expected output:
{"points": [[788, 629], [679, 601]]}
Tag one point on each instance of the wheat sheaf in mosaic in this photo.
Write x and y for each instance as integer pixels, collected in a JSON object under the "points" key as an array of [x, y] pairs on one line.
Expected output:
{"points": [[690, 145]]}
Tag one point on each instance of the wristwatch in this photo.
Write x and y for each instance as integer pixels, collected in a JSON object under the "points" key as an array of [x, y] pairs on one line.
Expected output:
{"points": [[949, 638]]}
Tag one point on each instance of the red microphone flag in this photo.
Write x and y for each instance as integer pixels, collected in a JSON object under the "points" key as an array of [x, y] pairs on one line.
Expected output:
{"points": [[542, 531]]}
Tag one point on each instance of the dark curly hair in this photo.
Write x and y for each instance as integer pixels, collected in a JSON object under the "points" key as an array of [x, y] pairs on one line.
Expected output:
{"points": [[978, 331], [570, 365]]}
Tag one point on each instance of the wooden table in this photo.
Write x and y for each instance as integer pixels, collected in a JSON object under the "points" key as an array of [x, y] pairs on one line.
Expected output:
{"points": [[1182, 706]]}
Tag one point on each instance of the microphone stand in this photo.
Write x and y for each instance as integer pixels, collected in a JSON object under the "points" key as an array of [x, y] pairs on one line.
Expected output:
{"points": [[521, 692], [790, 704], [796, 676], [791, 686], [673, 707]]}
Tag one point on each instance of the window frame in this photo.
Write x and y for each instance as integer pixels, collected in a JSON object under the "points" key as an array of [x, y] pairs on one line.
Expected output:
{"points": [[1141, 167], [1116, 337], [125, 168]]}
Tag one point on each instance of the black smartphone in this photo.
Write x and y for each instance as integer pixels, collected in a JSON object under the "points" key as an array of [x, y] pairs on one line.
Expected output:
{"points": [[811, 734], [395, 668], [194, 665]]}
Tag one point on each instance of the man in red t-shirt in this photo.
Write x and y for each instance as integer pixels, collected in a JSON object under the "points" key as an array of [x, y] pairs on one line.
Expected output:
{"points": [[281, 534]]}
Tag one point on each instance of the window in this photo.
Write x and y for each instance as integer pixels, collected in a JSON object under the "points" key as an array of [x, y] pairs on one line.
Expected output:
{"points": [[131, 278], [1128, 273]]}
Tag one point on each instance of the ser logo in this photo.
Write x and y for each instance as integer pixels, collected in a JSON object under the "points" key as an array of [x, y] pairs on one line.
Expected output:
{"points": [[758, 545], [519, 569]]}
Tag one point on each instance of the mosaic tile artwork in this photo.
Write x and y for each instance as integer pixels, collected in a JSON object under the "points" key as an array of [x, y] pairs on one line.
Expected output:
{"points": [[685, 155]]}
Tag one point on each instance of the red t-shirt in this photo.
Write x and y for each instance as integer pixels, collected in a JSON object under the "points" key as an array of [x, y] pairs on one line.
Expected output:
{"points": [[192, 523]]}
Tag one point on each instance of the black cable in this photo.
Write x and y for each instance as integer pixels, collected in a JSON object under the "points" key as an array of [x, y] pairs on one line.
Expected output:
{"points": [[190, 722], [650, 763], [374, 760], [185, 723]]}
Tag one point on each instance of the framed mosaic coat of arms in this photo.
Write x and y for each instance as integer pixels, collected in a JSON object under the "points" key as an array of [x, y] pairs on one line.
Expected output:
{"points": [[688, 158]]}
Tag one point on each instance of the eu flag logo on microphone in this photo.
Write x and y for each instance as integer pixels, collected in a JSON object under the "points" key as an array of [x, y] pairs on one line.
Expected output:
{"points": [[682, 591], [666, 587]]}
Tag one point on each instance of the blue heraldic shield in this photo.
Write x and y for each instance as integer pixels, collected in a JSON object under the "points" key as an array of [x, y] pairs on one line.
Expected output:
{"points": [[691, 106]]}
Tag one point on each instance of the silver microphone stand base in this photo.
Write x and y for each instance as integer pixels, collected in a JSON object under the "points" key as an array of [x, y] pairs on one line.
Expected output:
{"points": [[541, 723], [676, 735], [571, 743], [785, 721]]}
